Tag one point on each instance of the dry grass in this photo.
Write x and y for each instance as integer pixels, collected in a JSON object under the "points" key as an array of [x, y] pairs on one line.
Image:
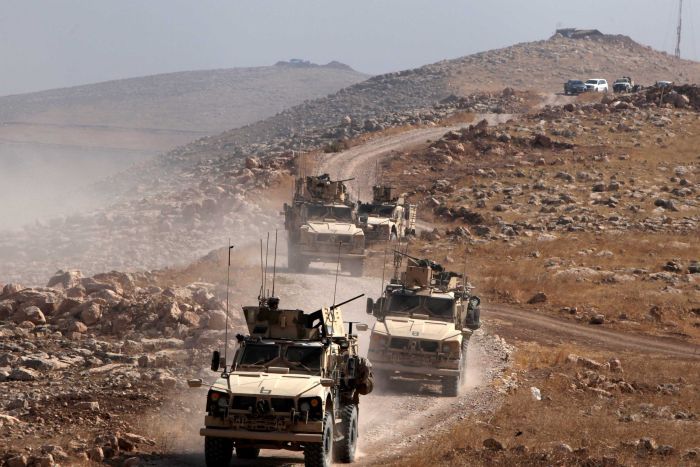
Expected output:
{"points": [[580, 418]]}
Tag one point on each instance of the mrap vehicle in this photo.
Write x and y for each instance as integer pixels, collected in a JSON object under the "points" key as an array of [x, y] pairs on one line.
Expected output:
{"points": [[295, 383], [425, 319]]}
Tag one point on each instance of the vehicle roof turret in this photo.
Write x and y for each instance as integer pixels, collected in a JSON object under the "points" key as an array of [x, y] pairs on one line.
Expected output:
{"points": [[268, 321]]}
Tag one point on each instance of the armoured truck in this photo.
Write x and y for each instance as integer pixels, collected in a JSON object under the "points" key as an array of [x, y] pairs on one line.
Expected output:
{"points": [[387, 217], [425, 319], [321, 225], [295, 383]]}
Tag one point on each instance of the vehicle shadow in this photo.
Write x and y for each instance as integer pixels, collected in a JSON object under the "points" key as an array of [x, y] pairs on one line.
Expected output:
{"points": [[196, 459]]}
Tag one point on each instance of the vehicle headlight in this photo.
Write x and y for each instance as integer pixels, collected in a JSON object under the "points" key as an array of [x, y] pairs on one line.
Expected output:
{"points": [[451, 348], [313, 406]]}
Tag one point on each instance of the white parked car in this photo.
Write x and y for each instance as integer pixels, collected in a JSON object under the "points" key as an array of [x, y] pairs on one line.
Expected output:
{"points": [[597, 85]]}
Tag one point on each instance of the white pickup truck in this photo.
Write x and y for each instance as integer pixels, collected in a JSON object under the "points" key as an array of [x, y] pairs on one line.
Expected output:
{"points": [[597, 85]]}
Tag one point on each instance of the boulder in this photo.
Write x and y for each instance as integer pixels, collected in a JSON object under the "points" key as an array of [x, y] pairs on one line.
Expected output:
{"points": [[31, 313], [597, 318], [65, 279], [91, 313], [539, 297], [493, 444]]}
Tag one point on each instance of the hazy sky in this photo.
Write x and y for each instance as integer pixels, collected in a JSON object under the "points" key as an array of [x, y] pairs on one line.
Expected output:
{"points": [[54, 43]]}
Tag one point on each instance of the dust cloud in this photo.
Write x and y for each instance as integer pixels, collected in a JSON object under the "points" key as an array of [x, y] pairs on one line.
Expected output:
{"points": [[39, 182]]}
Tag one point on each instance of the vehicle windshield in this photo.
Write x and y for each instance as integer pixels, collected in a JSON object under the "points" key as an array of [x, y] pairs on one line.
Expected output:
{"points": [[299, 358], [575, 81], [259, 354], [329, 212], [592, 81], [382, 210], [434, 306], [304, 358]]}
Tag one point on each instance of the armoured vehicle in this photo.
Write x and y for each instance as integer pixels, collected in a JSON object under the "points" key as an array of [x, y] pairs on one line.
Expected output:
{"points": [[387, 216], [294, 384], [321, 225], [425, 319]]}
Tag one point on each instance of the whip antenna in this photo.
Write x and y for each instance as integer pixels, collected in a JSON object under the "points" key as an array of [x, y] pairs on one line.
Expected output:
{"points": [[267, 249], [262, 274], [274, 266], [337, 268], [386, 242], [228, 281]]}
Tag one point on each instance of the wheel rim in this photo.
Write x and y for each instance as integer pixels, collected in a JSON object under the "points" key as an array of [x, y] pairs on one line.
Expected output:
{"points": [[327, 444]]}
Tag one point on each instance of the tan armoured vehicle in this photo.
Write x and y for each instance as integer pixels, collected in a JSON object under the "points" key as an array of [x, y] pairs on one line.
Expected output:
{"points": [[294, 383], [321, 225], [387, 217], [425, 319]]}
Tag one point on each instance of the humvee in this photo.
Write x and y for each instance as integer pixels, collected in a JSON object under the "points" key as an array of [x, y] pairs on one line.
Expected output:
{"points": [[425, 319], [387, 217], [321, 225], [294, 384]]}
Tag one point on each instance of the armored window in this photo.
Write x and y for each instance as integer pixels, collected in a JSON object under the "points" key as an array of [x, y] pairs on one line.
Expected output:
{"points": [[259, 354], [304, 357]]}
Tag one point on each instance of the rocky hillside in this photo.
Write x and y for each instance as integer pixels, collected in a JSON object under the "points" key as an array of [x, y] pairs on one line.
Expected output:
{"points": [[402, 96]]}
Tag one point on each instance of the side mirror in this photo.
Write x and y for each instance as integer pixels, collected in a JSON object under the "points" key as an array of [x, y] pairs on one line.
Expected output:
{"points": [[466, 332], [370, 306], [215, 360], [327, 382], [361, 327], [194, 383]]}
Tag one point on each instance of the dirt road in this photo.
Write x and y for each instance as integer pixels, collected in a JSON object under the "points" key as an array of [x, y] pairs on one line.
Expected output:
{"points": [[391, 418], [519, 324], [360, 162]]}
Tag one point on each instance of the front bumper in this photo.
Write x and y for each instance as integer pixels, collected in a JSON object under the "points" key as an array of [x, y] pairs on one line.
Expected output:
{"points": [[332, 256], [414, 372], [262, 435]]}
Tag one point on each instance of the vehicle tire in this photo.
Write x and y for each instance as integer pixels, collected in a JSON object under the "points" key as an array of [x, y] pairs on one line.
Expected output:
{"points": [[247, 453], [355, 267], [344, 449], [321, 454], [217, 451], [450, 386]]}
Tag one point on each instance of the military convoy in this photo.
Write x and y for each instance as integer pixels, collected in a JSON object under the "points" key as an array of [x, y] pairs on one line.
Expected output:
{"points": [[295, 383], [321, 225], [296, 378], [387, 217], [425, 318]]}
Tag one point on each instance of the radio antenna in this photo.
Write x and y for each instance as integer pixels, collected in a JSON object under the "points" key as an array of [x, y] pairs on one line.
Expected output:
{"points": [[386, 243], [464, 274], [262, 274], [274, 266], [228, 282], [267, 249], [337, 268]]}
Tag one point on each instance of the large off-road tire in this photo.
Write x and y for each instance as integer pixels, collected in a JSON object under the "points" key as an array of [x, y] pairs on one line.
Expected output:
{"points": [[218, 451], [450, 386], [321, 454], [247, 453], [345, 448], [356, 267], [297, 263]]}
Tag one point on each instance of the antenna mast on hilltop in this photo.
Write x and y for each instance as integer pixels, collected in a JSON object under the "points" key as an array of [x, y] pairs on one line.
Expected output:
{"points": [[678, 31]]}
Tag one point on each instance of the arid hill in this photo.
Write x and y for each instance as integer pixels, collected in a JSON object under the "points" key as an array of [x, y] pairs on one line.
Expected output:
{"points": [[182, 106], [399, 98]]}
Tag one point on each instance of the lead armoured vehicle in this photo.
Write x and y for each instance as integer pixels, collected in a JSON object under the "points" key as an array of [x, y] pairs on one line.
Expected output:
{"points": [[387, 216], [321, 225], [294, 384], [425, 319]]}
